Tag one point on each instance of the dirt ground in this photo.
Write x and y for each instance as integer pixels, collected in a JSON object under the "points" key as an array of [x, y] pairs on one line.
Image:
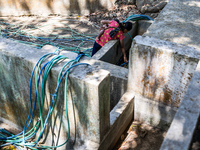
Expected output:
{"points": [[78, 34], [141, 136], [75, 33]]}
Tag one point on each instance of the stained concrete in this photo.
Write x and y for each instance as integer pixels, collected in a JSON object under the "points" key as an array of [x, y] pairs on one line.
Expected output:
{"points": [[178, 24], [161, 70], [118, 79], [181, 131]]}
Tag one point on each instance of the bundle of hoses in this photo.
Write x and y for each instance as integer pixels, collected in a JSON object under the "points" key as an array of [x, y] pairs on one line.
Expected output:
{"points": [[136, 17], [24, 138]]}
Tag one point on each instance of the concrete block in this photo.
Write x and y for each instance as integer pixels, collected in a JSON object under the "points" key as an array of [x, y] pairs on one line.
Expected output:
{"points": [[88, 97], [161, 70], [153, 112], [118, 78], [178, 22], [181, 131]]}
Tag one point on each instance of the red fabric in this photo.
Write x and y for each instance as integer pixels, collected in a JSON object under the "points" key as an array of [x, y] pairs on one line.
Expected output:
{"points": [[106, 37]]}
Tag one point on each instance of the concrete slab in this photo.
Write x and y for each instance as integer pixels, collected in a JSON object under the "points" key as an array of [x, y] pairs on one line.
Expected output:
{"points": [[161, 70], [181, 131], [120, 117], [118, 78], [178, 22]]}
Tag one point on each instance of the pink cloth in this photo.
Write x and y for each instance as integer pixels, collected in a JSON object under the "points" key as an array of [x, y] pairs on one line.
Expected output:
{"points": [[106, 37]]}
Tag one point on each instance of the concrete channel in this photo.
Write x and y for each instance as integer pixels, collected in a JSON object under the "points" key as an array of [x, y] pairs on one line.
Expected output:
{"points": [[162, 88]]}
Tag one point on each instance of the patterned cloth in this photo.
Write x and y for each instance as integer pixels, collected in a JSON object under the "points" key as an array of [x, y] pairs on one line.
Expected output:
{"points": [[106, 37]]}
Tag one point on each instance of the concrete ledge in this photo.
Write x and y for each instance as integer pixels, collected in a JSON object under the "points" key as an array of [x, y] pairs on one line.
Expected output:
{"points": [[181, 131], [168, 46], [178, 22], [120, 117]]}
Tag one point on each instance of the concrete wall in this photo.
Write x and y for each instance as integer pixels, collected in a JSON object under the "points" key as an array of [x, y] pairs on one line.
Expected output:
{"points": [[161, 70], [118, 79], [90, 93], [159, 74], [150, 73], [91, 109], [110, 54], [47, 7], [183, 126], [179, 22]]}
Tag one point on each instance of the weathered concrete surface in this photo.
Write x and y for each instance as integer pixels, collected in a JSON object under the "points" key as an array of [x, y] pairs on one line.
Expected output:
{"points": [[143, 26], [68, 54], [161, 70], [120, 117], [92, 109], [111, 51], [118, 75], [159, 74], [47, 7], [118, 78], [181, 131], [178, 22], [84, 85], [153, 112]]}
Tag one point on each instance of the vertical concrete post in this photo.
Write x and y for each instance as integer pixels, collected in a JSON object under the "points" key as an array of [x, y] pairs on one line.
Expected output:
{"points": [[90, 95]]}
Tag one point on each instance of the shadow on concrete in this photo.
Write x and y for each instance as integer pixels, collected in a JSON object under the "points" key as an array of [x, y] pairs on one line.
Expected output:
{"points": [[14, 86]]}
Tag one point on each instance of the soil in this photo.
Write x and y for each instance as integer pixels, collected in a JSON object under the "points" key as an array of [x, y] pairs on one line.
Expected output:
{"points": [[123, 9]]}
